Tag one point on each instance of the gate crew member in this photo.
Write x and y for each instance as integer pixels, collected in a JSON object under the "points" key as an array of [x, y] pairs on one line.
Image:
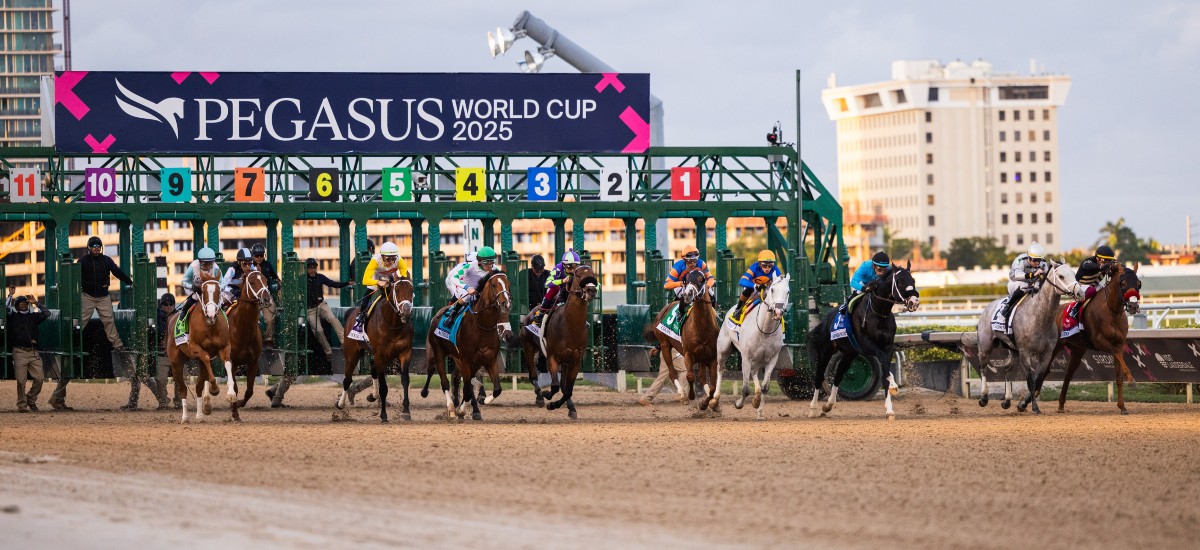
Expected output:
{"points": [[23, 321], [95, 269], [318, 308]]}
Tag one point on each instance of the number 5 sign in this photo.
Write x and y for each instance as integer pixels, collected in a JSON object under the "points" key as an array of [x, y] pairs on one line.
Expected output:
{"points": [[176, 184], [685, 183], [543, 183], [26, 185], [100, 184], [398, 184]]}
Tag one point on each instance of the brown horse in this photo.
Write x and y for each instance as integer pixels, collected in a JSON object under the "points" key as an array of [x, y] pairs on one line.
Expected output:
{"points": [[390, 333], [245, 338], [208, 335], [566, 340], [699, 340], [484, 324], [1105, 330]]}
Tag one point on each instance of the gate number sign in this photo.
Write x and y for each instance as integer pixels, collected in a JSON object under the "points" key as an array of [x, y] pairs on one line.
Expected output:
{"points": [[25, 185], [543, 183], [323, 184], [176, 184], [100, 185], [249, 184], [614, 185], [685, 183], [397, 184], [470, 185]]}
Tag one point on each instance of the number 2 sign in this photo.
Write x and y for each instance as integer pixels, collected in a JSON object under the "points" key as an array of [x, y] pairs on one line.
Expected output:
{"points": [[614, 184], [100, 185], [176, 184], [249, 184], [685, 183]]}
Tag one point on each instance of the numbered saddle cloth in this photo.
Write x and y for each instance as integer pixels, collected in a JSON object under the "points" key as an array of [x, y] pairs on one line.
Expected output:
{"points": [[180, 332], [738, 317], [999, 323], [672, 322], [359, 331], [448, 326], [1072, 324], [841, 326]]}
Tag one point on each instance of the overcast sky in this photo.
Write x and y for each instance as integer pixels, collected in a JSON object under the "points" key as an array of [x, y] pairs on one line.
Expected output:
{"points": [[726, 70]]}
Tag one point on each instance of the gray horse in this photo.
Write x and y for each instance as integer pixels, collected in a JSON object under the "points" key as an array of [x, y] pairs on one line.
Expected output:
{"points": [[1035, 334], [759, 340]]}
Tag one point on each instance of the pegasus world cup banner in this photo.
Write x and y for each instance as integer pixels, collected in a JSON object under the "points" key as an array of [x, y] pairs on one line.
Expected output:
{"points": [[346, 113]]}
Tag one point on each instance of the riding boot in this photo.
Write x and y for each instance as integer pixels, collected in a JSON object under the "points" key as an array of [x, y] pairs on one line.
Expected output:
{"points": [[1012, 302], [361, 319]]}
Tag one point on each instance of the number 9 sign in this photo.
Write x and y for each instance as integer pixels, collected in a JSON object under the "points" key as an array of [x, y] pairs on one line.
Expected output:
{"points": [[542, 183], [176, 184], [323, 184]]}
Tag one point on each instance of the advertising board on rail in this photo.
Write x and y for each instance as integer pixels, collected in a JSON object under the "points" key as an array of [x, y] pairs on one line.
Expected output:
{"points": [[346, 113]]}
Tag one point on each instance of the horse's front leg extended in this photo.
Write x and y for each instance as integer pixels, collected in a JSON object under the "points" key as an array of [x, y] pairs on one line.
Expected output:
{"points": [[887, 400], [405, 363], [494, 375], [381, 378], [1008, 393], [552, 367]]}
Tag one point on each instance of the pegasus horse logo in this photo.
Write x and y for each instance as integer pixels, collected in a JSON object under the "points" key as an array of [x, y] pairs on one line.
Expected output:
{"points": [[169, 110]]}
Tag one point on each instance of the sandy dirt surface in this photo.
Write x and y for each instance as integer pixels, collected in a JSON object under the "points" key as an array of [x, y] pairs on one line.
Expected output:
{"points": [[945, 474]]}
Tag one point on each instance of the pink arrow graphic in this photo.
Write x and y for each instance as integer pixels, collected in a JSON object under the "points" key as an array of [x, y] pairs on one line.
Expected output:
{"points": [[210, 77], [179, 77], [64, 93], [100, 146], [607, 79], [641, 131]]}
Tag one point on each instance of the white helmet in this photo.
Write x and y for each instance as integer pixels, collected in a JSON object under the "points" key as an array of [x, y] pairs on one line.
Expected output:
{"points": [[389, 249], [1036, 251]]}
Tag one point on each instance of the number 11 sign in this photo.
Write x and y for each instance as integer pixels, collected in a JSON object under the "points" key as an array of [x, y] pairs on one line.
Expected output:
{"points": [[685, 183]]}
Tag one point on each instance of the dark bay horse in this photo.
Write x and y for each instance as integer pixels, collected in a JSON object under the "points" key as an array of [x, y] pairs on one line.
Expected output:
{"points": [[698, 339], [245, 338], [485, 323], [873, 330], [566, 337], [390, 333], [208, 336], [1105, 328]]}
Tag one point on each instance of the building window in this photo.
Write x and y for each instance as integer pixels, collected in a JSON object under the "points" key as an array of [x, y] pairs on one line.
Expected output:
{"points": [[1031, 118], [1017, 156], [929, 179], [1003, 177], [928, 137], [1047, 178], [930, 221], [841, 104], [1002, 135], [1046, 156], [1047, 197], [1032, 135], [1003, 198], [1033, 237], [1049, 217], [928, 158], [1016, 114], [1020, 239], [1045, 135], [1020, 217], [1033, 219], [1017, 135], [1003, 156], [1005, 240], [933, 94], [928, 116], [1033, 156], [1008, 93], [1045, 114], [1004, 219], [1017, 177], [1033, 177], [1020, 197], [929, 200], [1002, 114], [1049, 238], [900, 97]]}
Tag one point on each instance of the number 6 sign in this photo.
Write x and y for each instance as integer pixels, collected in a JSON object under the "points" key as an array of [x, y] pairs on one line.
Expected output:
{"points": [[685, 183], [100, 185], [323, 184]]}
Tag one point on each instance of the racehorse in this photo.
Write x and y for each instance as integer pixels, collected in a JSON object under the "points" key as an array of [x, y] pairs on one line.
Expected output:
{"points": [[390, 335], [245, 339], [564, 331], [485, 323], [759, 340], [1035, 334], [1105, 330], [698, 339], [872, 331], [208, 335]]}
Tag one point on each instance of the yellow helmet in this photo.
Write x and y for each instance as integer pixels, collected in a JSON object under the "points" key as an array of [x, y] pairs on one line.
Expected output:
{"points": [[766, 256]]}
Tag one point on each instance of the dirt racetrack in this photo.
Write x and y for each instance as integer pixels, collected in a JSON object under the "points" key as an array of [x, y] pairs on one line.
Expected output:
{"points": [[945, 474]]}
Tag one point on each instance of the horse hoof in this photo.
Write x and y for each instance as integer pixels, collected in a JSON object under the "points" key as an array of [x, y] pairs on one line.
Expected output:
{"points": [[983, 401], [406, 417], [1005, 404], [1124, 412], [891, 418], [1020, 407], [756, 401], [476, 416], [540, 402], [894, 391], [826, 408], [552, 406], [488, 400], [383, 420], [738, 403], [572, 415], [371, 398], [424, 394]]}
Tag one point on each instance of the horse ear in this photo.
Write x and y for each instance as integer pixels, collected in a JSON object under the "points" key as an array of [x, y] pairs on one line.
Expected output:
{"points": [[1136, 265], [908, 265]]}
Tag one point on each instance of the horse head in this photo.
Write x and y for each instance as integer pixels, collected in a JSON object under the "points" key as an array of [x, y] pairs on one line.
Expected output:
{"points": [[256, 290], [584, 282], [210, 297], [777, 295], [897, 285], [493, 291], [399, 294], [1131, 287], [1062, 278], [694, 286]]}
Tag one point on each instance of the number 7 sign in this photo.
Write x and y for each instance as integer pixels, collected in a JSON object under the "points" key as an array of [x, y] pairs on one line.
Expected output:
{"points": [[249, 184], [685, 183]]}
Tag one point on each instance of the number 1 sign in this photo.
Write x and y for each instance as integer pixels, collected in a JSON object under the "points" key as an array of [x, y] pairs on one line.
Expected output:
{"points": [[685, 183], [100, 185]]}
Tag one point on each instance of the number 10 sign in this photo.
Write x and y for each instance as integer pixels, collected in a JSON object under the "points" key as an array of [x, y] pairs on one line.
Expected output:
{"points": [[100, 184]]}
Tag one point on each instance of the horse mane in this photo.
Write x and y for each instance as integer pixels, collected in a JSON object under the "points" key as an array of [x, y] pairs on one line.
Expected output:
{"points": [[487, 278]]}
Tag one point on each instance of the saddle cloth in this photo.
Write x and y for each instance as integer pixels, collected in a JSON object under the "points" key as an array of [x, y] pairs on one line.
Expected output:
{"points": [[841, 326], [1072, 324], [358, 332], [448, 326], [672, 322]]}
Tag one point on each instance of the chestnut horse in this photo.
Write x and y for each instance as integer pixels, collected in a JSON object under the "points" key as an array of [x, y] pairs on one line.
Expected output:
{"points": [[485, 322], [245, 338], [698, 333], [566, 337], [208, 335], [1105, 328], [390, 333]]}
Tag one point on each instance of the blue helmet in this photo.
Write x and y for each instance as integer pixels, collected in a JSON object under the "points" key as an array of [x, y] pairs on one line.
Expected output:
{"points": [[570, 257], [206, 254]]}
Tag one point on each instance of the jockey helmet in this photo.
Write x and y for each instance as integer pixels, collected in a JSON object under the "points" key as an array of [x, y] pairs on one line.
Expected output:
{"points": [[881, 259], [389, 249], [1036, 251], [691, 253], [244, 255], [94, 242], [570, 258], [259, 249], [311, 262], [766, 256], [486, 255], [206, 254], [1105, 252]]}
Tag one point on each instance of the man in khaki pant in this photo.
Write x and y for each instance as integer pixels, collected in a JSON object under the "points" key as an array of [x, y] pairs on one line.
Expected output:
{"points": [[23, 321], [95, 269], [664, 374], [318, 310]]}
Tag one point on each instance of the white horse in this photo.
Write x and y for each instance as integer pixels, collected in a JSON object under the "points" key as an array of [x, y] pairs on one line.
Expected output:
{"points": [[759, 340]]}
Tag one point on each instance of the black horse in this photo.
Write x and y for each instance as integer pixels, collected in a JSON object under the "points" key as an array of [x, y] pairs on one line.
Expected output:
{"points": [[872, 329]]}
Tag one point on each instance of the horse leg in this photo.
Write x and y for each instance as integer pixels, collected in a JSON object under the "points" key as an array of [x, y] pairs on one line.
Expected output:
{"points": [[530, 358], [747, 375], [689, 367], [821, 359], [715, 371], [983, 387], [555, 380], [1073, 363], [494, 376], [405, 363], [568, 390], [181, 390], [1031, 399], [203, 403], [231, 384], [887, 399], [759, 397], [840, 372], [1008, 393], [381, 377], [251, 374], [475, 415], [1120, 358], [437, 361]]}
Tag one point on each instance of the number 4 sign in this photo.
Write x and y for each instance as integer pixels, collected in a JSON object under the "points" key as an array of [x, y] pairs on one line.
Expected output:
{"points": [[470, 185], [685, 183], [26, 185], [614, 184]]}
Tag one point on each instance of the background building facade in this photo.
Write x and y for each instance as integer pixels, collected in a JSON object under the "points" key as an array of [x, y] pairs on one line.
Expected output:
{"points": [[951, 151], [27, 52]]}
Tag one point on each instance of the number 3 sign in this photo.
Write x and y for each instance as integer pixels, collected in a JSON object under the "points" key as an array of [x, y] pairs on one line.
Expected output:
{"points": [[543, 183], [685, 183]]}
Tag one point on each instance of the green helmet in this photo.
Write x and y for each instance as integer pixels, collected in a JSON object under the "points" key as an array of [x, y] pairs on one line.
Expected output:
{"points": [[485, 253]]}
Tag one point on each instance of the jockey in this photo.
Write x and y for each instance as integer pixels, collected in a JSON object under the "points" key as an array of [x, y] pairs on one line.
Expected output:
{"points": [[691, 261], [758, 275], [1025, 269], [205, 263], [1093, 271], [463, 279], [869, 272], [231, 283], [380, 270], [558, 277]]}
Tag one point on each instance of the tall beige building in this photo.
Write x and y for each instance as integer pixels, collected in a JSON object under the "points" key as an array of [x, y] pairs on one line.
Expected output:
{"points": [[950, 151]]}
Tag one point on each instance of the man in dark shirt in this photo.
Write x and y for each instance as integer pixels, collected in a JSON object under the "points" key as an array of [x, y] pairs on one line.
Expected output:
{"points": [[318, 308], [23, 322], [537, 281], [95, 269], [268, 271]]}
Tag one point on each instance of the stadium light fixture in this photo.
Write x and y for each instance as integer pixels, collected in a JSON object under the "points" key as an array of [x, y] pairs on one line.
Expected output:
{"points": [[503, 40], [534, 60]]}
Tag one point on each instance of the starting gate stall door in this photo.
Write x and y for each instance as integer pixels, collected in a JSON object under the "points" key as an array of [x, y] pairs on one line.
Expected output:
{"points": [[729, 271], [291, 324], [593, 361], [5, 371], [69, 352], [439, 267], [657, 269], [518, 279]]}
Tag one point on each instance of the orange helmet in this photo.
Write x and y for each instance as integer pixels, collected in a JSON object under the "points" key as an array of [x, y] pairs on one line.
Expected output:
{"points": [[690, 252]]}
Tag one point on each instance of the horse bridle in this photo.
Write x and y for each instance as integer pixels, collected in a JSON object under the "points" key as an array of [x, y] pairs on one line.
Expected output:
{"points": [[503, 296], [581, 292], [392, 296], [256, 296], [216, 298], [763, 297]]}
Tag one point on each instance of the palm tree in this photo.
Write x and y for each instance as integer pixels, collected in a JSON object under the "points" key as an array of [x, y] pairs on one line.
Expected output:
{"points": [[1110, 234]]}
